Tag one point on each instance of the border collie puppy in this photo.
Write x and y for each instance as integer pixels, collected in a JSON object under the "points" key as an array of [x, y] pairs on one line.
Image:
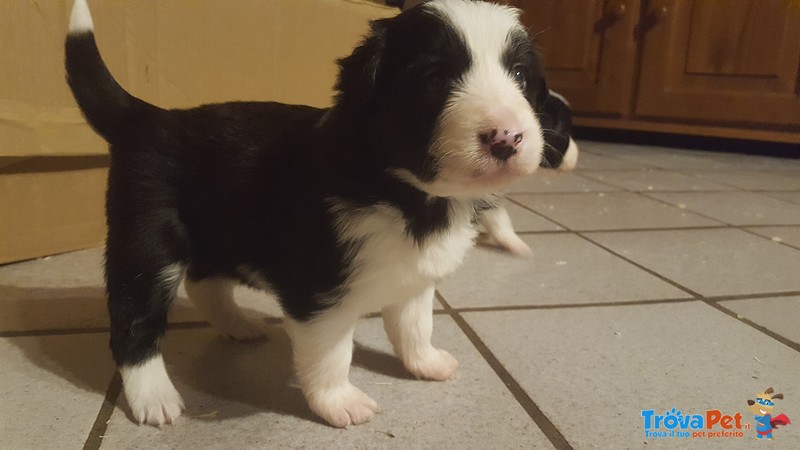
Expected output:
{"points": [[560, 152], [339, 212]]}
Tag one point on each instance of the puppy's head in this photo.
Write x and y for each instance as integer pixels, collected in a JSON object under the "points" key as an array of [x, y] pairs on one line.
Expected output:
{"points": [[448, 93]]}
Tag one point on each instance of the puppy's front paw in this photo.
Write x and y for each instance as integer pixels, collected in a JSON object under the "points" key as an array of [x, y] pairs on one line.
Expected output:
{"points": [[343, 406], [155, 406], [513, 244], [435, 365]]}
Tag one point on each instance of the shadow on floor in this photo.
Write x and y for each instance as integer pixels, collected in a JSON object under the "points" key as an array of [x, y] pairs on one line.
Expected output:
{"points": [[219, 378]]}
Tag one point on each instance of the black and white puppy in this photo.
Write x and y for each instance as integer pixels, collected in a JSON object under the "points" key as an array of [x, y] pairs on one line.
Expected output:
{"points": [[560, 152], [339, 212]]}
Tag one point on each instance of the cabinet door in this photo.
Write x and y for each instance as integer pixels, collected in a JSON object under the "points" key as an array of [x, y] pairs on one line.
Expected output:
{"points": [[588, 49], [722, 61]]}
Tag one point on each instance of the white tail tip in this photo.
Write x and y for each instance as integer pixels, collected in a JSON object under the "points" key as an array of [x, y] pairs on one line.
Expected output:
{"points": [[81, 20]]}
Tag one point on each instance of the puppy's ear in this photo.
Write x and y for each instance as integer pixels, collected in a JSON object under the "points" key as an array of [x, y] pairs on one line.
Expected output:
{"points": [[358, 72]]}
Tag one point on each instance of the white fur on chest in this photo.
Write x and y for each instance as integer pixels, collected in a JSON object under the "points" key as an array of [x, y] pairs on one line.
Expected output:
{"points": [[389, 266]]}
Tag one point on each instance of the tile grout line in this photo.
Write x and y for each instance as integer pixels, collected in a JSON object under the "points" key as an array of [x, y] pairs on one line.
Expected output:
{"points": [[470, 309], [783, 340], [193, 325], [779, 242], [547, 427], [712, 303], [277, 320], [98, 431], [742, 228]]}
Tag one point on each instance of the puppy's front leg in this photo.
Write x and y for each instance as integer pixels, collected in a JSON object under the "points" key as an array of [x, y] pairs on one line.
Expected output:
{"points": [[501, 232], [323, 350], [409, 326]]}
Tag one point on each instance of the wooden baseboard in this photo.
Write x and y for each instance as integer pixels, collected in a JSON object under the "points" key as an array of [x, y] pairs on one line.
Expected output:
{"points": [[699, 130]]}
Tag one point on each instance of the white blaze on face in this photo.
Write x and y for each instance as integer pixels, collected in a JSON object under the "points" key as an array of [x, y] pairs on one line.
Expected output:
{"points": [[486, 97]]}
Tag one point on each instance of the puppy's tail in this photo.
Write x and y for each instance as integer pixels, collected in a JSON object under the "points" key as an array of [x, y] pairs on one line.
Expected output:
{"points": [[108, 108]]}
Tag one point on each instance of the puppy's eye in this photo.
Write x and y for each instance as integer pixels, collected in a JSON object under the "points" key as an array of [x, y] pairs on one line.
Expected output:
{"points": [[518, 74]]}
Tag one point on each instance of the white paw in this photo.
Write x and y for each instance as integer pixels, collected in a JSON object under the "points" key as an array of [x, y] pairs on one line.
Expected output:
{"points": [[150, 393], [510, 242], [156, 408], [515, 245], [343, 406], [435, 365], [243, 328]]}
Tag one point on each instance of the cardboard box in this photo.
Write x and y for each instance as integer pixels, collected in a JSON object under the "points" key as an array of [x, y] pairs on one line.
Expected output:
{"points": [[173, 54]]}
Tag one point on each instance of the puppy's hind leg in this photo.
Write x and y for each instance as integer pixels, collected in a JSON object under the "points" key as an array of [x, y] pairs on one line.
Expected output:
{"points": [[141, 282], [213, 297], [323, 350], [409, 326]]}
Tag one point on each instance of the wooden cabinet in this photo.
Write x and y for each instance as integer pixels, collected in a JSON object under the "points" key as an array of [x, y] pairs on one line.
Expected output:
{"points": [[587, 51], [726, 68]]}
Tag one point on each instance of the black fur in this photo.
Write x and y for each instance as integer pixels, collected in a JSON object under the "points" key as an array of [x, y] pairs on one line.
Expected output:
{"points": [[556, 122]]}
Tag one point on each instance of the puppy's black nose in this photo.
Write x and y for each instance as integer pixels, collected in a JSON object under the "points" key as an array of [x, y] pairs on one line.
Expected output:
{"points": [[501, 143], [503, 151]]}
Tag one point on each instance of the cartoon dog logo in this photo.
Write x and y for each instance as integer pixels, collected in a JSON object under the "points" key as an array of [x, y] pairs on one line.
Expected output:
{"points": [[762, 410]]}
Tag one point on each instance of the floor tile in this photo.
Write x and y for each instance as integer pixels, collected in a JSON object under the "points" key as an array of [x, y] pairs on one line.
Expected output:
{"points": [[788, 235], [610, 149], [737, 208], [525, 220], [668, 158], [656, 180], [556, 181], [711, 262], [596, 161], [593, 370], [241, 395], [758, 162], [609, 211], [563, 269], [792, 197], [754, 180], [52, 389], [780, 314]]}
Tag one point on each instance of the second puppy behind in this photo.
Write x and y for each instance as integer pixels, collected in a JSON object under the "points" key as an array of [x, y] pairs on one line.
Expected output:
{"points": [[560, 152]]}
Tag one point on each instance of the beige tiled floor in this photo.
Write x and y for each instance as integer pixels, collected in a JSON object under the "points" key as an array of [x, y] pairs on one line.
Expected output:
{"points": [[661, 278]]}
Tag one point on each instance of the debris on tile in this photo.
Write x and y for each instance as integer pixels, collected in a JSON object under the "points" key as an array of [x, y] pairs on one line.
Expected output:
{"points": [[384, 432], [561, 263], [776, 239], [739, 316], [681, 206], [211, 415], [617, 333], [757, 360], [601, 194]]}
